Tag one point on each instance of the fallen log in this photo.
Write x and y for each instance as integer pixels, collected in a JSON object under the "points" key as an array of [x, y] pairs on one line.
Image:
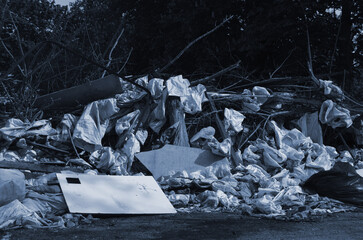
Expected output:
{"points": [[80, 95]]}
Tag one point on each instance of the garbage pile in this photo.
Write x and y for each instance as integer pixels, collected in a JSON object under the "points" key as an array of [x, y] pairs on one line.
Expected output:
{"points": [[247, 161]]}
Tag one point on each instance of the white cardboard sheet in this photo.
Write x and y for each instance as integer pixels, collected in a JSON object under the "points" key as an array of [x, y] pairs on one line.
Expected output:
{"points": [[103, 194]]}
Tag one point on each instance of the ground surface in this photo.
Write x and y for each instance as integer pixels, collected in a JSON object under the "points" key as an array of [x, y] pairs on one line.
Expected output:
{"points": [[203, 226]]}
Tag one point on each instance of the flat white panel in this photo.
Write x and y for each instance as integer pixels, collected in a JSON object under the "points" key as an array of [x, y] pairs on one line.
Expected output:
{"points": [[102, 194], [176, 158]]}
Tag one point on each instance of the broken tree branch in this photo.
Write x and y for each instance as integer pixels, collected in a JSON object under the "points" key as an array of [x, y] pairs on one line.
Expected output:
{"points": [[310, 62], [127, 59], [282, 64], [192, 43], [111, 51], [223, 71]]}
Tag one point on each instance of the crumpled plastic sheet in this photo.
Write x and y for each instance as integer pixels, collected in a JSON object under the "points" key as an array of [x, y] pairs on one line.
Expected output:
{"points": [[67, 126], [261, 94], [141, 135], [15, 214], [92, 125], [203, 136], [222, 149], [219, 169], [156, 87], [334, 115], [191, 97], [267, 205], [293, 138], [16, 128], [249, 154], [116, 162], [12, 185], [272, 157], [130, 148], [331, 90], [45, 203], [233, 121], [177, 86], [40, 184], [208, 199], [179, 200], [131, 92], [193, 100], [322, 162], [126, 121], [157, 116], [310, 127], [253, 100], [109, 160]]}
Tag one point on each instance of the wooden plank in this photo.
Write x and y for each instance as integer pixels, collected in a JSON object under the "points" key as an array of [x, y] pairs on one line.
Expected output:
{"points": [[176, 158], [80, 95], [102, 194], [36, 167]]}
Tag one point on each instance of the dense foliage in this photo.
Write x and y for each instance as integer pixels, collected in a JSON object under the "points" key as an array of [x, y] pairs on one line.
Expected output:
{"points": [[264, 35]]}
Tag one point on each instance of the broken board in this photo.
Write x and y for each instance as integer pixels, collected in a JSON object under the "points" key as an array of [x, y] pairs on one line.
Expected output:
{"points": [[176, 158], [102, 194]]}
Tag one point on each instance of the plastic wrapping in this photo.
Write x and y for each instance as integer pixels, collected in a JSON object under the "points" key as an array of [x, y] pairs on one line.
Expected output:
{"points": [[156, 87], [12, 185], [177, 86], [125, 122], [92, 125], [16, 128], [233, 120], [16, 214], [334, 115], [192, 101], [157, 117], [310, 127]]}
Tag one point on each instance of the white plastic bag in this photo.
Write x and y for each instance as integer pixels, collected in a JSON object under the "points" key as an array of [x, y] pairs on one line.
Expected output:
{"points": [[12, 185]]}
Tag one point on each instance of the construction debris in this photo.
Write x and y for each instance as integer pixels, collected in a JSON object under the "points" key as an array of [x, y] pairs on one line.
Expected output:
{"points": [[267, 146]]}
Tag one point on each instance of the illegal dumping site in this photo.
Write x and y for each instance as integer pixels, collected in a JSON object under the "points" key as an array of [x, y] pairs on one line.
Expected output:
{"points": [[161, 146]]}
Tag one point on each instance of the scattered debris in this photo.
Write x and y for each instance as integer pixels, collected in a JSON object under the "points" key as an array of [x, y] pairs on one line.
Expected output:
{"points": [[256, 163]]}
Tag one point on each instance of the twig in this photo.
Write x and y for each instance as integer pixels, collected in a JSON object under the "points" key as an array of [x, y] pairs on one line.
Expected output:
{"points": [[127, 59], [277, 69], [310, 62], [223, 71], [335, 46], [249, 137], [12, 56], [47, 146], [74, 146], [192, 43], [345, 144], [19, 42], [60, 45], [111, 51]]}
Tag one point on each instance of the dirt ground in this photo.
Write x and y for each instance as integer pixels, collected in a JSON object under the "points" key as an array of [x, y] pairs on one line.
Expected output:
{"points": [[203, 226]]}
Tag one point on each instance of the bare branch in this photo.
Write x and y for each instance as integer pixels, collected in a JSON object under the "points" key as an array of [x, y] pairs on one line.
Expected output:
{"points": [[223, 71], [111, 51], [19, 42], [12, 56], [277, 69], [127, 59], [192, 43]]}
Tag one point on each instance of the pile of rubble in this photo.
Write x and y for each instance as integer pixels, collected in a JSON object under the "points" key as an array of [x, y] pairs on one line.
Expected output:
{"points": [[259, 169]]}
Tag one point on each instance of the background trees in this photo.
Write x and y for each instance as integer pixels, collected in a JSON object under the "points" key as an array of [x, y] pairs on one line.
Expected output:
{"points": [[264, 35]]}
